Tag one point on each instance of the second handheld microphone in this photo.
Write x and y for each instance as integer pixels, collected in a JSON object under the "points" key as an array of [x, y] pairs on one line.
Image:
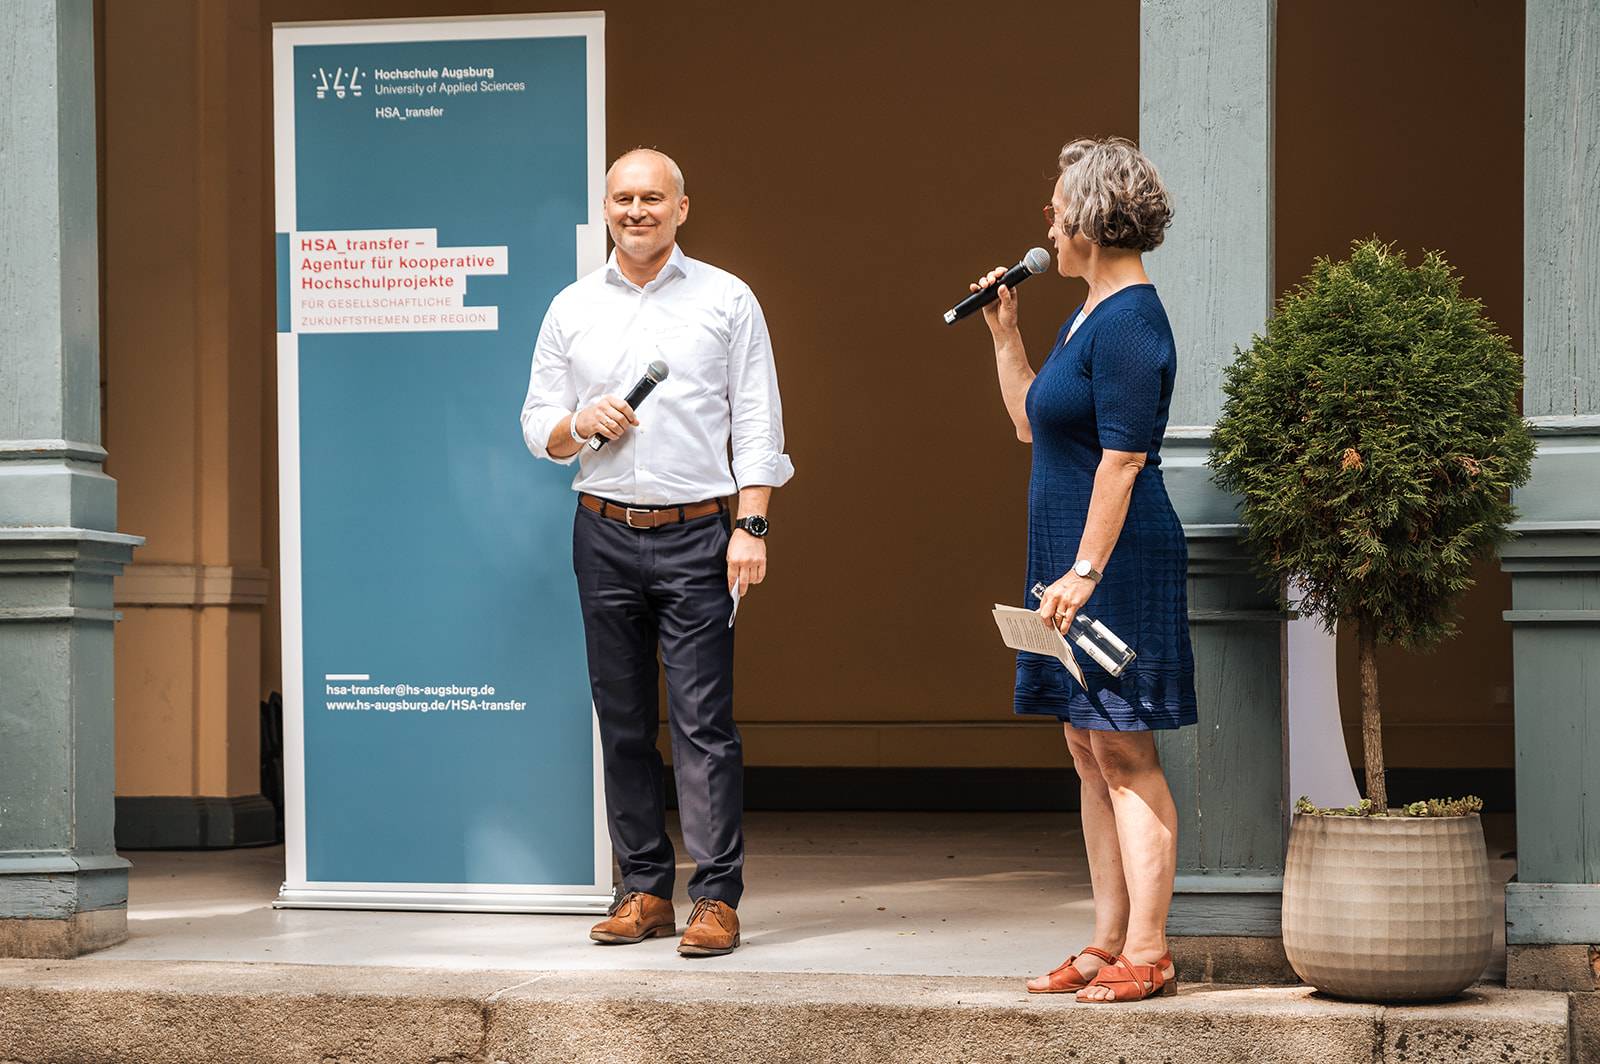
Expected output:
{"points": [[1037, 260], [654, 374], [1098, 641]]}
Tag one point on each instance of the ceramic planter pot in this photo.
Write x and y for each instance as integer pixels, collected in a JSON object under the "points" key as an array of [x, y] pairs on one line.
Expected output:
{"points": [[1388, 908]]}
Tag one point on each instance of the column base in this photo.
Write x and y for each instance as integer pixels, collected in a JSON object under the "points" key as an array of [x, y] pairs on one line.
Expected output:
{"points": [[59, 905], [1228, 928], [1230, 959], [74, 936], [1544, 914]]}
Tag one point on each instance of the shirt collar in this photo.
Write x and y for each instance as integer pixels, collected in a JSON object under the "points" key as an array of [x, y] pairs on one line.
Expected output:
{"points": [[677, 264]]}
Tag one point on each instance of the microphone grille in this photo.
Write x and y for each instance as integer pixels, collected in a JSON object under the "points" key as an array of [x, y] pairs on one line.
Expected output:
{"points": [[656, 371], [1037, 260]]}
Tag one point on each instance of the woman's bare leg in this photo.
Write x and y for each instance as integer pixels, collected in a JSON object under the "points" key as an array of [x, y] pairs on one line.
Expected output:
{"points": [[1105, 853], [1146, 830]]}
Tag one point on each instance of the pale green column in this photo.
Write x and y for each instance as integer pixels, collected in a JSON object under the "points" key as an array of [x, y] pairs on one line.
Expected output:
{"points": [[1205, 118], [63, 890], [1554, 907]]}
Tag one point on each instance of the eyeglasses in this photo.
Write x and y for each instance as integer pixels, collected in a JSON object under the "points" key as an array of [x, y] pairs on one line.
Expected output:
{"points": [[1050, 214]]}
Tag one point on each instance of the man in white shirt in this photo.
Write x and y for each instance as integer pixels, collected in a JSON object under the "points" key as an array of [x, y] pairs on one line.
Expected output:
{"points": [[654, 555]]}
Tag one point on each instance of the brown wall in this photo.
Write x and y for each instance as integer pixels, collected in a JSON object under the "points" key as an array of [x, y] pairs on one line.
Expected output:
{"points": [[856, 164], [185, 323]]}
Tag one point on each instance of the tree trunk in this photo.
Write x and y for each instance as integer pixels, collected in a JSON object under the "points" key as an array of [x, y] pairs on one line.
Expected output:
{"points": [[1371, 721]]}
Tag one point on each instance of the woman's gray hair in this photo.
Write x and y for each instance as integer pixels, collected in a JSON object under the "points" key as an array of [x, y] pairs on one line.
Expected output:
{"points": [[1113, 194]]}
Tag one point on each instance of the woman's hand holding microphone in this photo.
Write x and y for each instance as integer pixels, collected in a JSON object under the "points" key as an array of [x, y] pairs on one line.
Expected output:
{"points": [[1001, 315]]}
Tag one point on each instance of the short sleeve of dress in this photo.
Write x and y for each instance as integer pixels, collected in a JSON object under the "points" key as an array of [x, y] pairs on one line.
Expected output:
{"points": [[1127, 363]]}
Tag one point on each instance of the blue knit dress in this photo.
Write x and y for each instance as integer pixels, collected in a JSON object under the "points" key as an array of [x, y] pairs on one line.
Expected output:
{"points": [[1108, 387]]}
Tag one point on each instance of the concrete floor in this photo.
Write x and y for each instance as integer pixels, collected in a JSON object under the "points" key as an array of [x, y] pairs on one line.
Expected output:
{"points": [[971, 894], [866, 893]]}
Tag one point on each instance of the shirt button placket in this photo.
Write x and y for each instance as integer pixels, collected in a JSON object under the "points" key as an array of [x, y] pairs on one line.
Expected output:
{"points": [[635, 371], [647, 553]]}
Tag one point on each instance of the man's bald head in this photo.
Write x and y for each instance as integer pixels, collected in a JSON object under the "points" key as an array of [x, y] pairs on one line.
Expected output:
{"points": [[650, 154], [644, 206]]}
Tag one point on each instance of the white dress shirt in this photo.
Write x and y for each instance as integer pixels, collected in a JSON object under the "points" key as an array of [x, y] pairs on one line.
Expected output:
{"points": [[721, 389]]}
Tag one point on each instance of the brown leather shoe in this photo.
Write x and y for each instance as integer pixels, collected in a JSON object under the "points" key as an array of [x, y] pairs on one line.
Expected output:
{"points": [[634, 918], [713, 930]]}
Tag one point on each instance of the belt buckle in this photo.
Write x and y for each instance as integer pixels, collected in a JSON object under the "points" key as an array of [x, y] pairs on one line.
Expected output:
{"points": [[629, 511]]}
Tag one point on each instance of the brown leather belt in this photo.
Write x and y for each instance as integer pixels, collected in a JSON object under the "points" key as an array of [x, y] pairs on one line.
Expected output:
{"points": [[644, 517]]}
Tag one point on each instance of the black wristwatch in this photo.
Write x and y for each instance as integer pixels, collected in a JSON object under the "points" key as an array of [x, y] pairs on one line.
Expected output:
{"points": [[755, 524]]}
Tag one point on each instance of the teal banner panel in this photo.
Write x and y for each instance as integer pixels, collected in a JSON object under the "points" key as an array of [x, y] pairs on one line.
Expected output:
{"points": [[436, 188]]}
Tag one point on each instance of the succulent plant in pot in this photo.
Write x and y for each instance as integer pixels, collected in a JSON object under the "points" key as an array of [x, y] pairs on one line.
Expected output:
{"points": [[1373, 435]]}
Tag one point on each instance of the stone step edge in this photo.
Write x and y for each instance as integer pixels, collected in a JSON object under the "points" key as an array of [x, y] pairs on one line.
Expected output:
{"points": [[151, 1012]]}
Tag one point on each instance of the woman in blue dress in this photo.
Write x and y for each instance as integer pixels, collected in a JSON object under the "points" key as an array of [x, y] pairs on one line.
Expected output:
{"points": [[1102, 534]]}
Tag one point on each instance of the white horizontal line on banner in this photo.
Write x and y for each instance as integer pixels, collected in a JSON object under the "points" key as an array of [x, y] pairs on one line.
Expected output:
{"points": [[346, 676]]}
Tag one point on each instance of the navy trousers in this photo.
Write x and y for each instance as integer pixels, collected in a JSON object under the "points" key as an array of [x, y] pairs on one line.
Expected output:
{"points": [[641, 589]]}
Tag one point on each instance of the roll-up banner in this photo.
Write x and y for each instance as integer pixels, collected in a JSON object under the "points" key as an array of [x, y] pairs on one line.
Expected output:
{"points": [[438, 182]]}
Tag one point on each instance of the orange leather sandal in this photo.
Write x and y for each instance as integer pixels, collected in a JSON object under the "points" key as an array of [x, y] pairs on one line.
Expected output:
{"points": [[1067, 979], [1128, 981]]}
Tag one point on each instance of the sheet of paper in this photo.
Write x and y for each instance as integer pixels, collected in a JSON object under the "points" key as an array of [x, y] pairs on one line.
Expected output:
{"points": [[733, 592], [1022, 629]]}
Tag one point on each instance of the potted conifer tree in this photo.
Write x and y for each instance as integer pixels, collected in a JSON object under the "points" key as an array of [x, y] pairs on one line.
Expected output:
{"points": [[1373, 435]]}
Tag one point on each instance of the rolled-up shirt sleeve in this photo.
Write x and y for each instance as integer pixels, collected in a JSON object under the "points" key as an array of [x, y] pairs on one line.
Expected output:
{"points": [[552, 393], [757, 411]]}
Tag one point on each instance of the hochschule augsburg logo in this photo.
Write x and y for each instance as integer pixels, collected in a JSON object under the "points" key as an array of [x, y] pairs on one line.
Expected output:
{"points": [[339, 83]]}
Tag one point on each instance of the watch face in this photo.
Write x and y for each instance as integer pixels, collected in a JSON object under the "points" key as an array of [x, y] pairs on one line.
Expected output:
{"points": [[756, 525], [1082, 568]]}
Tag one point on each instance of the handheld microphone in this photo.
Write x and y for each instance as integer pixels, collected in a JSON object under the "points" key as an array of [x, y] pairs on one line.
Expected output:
{"points": [[654, 374], [1037, 260]]}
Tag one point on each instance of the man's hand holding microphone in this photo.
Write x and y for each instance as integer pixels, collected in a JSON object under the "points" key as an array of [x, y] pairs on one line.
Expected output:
{"points": [[608, 418]]}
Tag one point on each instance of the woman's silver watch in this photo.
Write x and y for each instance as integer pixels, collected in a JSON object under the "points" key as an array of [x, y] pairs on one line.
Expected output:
{"points": [[1085, 568]]}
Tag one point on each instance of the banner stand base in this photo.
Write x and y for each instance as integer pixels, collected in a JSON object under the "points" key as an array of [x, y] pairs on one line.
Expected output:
{"points": [[442, 901]]}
